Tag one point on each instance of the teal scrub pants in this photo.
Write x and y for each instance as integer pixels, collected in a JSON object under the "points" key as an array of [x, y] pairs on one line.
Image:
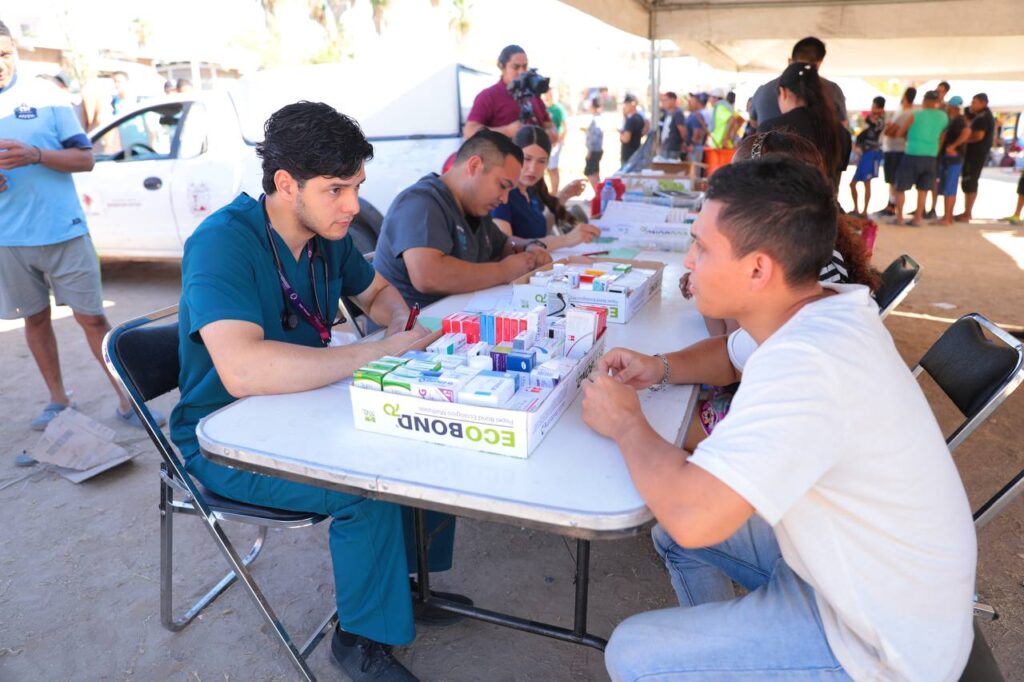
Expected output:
{"points": [[372, 545]]}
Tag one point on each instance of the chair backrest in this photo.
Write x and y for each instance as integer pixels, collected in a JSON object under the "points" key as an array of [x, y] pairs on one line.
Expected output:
{"points": [[143, 358], [897, 280], [976, 372]]}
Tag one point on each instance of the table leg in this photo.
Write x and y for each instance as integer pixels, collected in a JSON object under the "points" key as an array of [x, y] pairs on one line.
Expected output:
{"points": [[578, 635], [422, 556], [582, 586]]}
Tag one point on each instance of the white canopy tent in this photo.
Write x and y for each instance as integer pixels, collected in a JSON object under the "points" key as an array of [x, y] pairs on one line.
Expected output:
{"points": [[915, 39]]}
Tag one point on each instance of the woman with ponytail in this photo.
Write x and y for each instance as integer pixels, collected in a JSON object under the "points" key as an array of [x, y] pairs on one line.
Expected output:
{"points": [[523, 216], [808, 111]]}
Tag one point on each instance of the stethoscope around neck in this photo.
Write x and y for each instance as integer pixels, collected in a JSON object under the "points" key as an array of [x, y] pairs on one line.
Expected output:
{"points": [[292, 305]]}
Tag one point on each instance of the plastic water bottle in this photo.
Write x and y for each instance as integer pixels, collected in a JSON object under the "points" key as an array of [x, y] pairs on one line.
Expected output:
{"points": [[607, 195]]}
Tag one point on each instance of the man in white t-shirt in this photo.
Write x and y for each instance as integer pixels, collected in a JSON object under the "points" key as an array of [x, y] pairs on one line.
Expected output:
{"points": [[827, 492]]}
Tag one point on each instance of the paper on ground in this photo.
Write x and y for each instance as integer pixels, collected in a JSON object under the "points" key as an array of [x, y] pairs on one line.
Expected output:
{"points": [[78, 447]]}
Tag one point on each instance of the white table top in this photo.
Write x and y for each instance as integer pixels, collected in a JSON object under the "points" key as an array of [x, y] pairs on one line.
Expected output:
{"points": [[575, 482]]}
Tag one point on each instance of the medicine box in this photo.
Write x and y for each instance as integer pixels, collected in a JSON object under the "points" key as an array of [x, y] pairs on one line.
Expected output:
{"points": [[622, 304], [497, 430]]}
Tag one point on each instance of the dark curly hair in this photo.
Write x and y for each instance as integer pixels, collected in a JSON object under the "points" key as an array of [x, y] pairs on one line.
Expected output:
{"points": [[309, 140]]}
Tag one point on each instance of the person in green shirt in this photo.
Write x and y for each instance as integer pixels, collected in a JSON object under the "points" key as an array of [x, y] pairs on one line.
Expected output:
{"points": [[559, 118], [923, 130]]}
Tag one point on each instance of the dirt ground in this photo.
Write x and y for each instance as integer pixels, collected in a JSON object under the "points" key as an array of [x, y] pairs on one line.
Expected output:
{"points": [[79, 563]]}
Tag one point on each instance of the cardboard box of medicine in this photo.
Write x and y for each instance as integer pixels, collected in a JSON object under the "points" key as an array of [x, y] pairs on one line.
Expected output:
{"points": [[496, 430], [621, 305]]}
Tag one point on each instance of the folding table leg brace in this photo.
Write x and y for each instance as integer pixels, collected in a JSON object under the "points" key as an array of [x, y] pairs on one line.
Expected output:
{"points": [[578, 634]]}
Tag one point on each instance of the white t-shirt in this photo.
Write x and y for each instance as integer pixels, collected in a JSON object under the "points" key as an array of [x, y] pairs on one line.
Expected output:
{"points": [[891, 143], [831, 440]]}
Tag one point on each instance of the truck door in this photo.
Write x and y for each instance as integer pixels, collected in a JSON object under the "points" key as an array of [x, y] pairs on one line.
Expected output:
{"points": [[127, 196], [206, 172]]}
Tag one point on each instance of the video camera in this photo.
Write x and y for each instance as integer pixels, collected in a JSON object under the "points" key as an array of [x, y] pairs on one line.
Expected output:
{"points": [[530, 84]]}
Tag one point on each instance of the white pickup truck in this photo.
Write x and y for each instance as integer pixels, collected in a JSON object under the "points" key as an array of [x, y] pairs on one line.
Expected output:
{"points": [[167, 164]]}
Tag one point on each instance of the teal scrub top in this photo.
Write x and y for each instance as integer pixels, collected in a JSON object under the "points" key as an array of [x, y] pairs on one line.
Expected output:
{"points": [[228, 273]]}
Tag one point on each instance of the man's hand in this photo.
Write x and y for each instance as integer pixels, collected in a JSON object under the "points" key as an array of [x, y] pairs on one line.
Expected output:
{"points": [[404, 340], [518, 264], [610, 408], [542, 256], [397, 326], [951, 150], [3, 182], [631, 368], [14, 154]]}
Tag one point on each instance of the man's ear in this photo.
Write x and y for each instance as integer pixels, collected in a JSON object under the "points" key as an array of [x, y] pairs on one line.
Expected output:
{"points": [[763, 269], [474, 165], [286, 184]]}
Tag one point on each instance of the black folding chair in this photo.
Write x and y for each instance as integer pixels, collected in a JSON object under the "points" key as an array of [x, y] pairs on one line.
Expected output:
{"points": [[897, 280], [349, 310], [143, 358], [977, 373]]}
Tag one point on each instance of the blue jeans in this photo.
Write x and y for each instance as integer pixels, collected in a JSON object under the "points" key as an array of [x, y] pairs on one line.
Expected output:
{"points": [[772, 633], [372, 545]]}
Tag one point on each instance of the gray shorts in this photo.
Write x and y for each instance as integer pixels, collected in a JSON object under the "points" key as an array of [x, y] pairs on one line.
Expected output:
{"points": [[28, 273]]}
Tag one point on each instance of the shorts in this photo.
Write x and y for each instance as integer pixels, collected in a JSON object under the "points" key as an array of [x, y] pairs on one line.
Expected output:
{"points": [[696, 154], [867, 167], [28, 273], [890, 164], [971, 174], [916, 171], [556, 151], [593, 166], [949, 176], [1020, 185]]}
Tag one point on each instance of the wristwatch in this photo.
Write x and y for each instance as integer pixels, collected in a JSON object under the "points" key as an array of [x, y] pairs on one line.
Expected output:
{"points": [[532, 242]]}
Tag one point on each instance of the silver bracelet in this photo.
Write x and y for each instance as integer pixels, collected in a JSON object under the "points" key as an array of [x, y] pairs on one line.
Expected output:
{"points": [[664, 374]]}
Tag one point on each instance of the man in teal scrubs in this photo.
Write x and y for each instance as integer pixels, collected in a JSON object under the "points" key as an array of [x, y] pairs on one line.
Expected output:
{"points": [[260, 285]]}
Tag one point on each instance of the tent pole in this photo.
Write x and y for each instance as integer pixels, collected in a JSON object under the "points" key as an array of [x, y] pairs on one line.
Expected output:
{"points": [[655, 75]]}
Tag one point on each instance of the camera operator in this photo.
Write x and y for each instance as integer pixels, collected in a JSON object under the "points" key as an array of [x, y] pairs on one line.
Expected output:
{"points": [[495, 107]]}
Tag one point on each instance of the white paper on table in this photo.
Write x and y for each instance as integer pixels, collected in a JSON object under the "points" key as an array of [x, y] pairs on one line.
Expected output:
{"points": [[498, 298], [619, 212]]}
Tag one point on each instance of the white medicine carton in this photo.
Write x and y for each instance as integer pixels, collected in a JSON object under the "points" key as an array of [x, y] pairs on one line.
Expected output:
{"points": [[493, 430], [621, 306]]}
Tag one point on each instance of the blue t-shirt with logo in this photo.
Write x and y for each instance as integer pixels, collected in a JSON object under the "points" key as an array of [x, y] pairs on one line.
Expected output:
{"points": [[40, 205], [228, 273]]}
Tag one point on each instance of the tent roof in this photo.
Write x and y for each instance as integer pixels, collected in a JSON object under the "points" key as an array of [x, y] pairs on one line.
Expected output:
{"points": [[881, 38]]}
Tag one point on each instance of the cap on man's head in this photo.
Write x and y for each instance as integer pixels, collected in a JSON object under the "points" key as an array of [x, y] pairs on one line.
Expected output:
{"points": [[931, 96], [955, 101], [630, 97], [717, 92]]}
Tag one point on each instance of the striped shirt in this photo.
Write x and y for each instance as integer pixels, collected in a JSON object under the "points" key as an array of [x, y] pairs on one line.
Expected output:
{"points": [[835, 270]]}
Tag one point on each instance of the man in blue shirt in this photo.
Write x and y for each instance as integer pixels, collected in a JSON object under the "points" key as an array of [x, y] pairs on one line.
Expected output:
{"points": [[260, 286], [44, 241]]}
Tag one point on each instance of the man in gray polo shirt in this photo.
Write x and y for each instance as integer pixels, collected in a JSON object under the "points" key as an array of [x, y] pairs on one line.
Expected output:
{"points": [[764, 105], [437, 238]]}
